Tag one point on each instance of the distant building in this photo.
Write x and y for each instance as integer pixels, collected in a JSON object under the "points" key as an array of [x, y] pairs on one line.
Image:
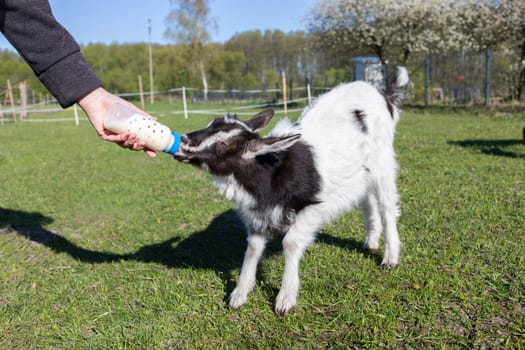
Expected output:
{"points": [[369, 69]]}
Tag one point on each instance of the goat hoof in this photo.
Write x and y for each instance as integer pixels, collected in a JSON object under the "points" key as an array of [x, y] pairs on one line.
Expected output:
{"points": [[284, 303], [390, 258], [371, 245], [282, 311], [371, 250], [388, 265], [238, 299]]}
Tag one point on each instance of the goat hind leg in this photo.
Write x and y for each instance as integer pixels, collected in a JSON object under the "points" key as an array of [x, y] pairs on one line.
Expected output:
{"points": [[372, 218], [246, 282], [388, 198]]}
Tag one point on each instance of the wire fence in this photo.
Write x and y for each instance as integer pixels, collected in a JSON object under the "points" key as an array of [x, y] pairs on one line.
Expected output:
{"points": [[460, 78], [181, 101], [453, 79]]}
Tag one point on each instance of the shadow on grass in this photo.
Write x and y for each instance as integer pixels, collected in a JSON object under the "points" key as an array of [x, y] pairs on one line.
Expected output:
{"points": [[493, 147], [220, 247], [350, 245]]}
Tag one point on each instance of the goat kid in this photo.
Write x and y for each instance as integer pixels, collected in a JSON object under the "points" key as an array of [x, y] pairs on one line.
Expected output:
{"points": [[303, 175]]}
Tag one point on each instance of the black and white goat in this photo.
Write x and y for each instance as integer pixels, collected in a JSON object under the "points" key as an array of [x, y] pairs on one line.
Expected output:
{"points": [[338, 155]]}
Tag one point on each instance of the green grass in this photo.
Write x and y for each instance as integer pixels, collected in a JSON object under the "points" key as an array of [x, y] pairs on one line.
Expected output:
{"points": [[103, 248]]}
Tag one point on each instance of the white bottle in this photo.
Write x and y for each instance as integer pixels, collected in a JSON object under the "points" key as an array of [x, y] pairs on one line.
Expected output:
{"points": [[157, 136]]}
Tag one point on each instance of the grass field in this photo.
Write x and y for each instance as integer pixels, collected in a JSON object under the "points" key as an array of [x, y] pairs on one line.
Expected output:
{"points": [[103, 248]]}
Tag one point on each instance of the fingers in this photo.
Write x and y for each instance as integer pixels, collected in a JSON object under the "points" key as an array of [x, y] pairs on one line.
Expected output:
{"points": [[129, 141], [150, 153], [96, 104]]}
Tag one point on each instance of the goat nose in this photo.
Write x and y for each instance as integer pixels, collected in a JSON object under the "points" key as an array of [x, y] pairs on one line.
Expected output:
{"points": [[184, 138]]}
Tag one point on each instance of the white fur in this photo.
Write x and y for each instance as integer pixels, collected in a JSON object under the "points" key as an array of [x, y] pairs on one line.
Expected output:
{"points": [[233, 120], [217, 137], [230, 188], [255, 220], [356, 168]]}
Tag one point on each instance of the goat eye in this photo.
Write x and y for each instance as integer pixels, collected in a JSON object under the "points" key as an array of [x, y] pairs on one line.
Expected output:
{"points": [[224, 147], [221, 145]]}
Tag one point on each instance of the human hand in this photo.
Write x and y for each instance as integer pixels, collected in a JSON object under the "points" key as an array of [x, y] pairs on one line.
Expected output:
{"points": [[96, 104]]}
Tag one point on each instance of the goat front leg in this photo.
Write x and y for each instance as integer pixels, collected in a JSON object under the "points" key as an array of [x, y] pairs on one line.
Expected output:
{"points": [[246, 282], [294, 244]]}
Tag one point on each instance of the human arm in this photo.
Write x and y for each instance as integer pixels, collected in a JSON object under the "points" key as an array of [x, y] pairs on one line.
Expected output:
{"points": [[96, 104], [48, 48], [56, 60]]}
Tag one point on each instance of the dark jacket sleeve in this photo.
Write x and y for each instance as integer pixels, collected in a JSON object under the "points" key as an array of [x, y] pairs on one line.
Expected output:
{"points": [[48, 48]]}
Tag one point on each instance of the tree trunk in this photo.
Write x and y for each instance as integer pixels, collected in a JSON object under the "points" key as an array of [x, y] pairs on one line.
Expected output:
{"points": [[521, 82], [378, 50], [406, 53]]}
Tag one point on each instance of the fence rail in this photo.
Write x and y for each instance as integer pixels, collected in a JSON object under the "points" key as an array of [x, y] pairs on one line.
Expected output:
{"points": [[193, 97], [453, 79], [36, 113]]}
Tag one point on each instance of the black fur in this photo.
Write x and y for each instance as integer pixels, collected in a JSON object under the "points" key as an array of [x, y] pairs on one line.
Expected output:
{"points": [[287, 179], [394, 94], [360, 117]]}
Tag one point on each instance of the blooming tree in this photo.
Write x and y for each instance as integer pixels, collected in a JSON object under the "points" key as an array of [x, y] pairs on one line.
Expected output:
{"points": [[396, 29], [514, 12], [488, 24], [390, 29]]}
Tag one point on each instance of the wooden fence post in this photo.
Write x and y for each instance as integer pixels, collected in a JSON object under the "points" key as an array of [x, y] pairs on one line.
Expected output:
{"points": [[11, 100], [284, 94], [75, 110], [141, 92], [184, 102], [23, 100]]}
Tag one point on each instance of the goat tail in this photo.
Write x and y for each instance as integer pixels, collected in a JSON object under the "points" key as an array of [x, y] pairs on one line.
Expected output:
{"points": [[396, 91]]}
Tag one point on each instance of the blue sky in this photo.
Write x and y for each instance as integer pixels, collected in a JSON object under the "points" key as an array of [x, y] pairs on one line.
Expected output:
{"points": [[126, 21]]}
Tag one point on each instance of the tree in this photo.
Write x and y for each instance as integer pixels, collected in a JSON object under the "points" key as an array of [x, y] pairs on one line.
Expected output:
{"points": [[484, 25], [514, 13], [189, 23], [426, 27], [268, 54], [12, 67], [341, 23], [250, 44], [389, 29]]}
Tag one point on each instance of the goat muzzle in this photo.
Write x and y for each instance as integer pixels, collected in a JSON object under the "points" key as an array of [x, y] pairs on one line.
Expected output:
{"points": [[182, 156]]}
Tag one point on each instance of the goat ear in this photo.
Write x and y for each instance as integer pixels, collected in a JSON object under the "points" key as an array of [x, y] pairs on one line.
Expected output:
{"points": [[260, 120], [267, 145]]}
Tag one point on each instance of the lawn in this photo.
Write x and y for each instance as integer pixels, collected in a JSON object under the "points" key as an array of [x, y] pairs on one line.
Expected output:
{"points": [[103, 248]]}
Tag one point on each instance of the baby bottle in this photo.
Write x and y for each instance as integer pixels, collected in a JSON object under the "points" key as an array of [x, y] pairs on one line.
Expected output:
{"points": [[157, 136]]}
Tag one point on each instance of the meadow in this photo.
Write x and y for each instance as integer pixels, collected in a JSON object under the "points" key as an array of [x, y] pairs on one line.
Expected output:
{"points": [[103, 248]]}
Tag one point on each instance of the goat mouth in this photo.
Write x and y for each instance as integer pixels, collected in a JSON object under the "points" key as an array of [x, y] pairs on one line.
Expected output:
{"points": [[182, 156]]}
